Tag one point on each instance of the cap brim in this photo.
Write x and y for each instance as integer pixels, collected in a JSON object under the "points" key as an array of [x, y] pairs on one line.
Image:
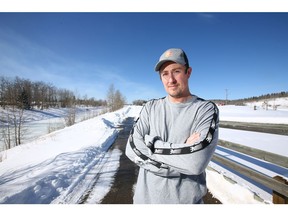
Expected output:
{"points": [[159, 64]]}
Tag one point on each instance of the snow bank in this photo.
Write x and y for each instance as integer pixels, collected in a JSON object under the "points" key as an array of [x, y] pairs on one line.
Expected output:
{"points": [[53, 166], [248, 114], [228, 192]]}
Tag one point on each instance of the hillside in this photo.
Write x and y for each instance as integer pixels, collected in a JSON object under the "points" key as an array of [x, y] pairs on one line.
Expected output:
{"points": [[277, 99]]}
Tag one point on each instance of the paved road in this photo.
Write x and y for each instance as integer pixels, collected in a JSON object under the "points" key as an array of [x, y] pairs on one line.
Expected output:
{"points": [[121, 191]]}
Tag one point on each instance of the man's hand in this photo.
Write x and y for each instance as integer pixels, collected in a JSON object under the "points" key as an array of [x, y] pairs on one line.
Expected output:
{"points": [[193, 138], [150, 141]]}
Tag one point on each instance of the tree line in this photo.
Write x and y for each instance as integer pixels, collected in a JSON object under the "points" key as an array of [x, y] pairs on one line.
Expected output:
{"points": [[23, 93], [18, 95], [241, 102], [266, 96]]}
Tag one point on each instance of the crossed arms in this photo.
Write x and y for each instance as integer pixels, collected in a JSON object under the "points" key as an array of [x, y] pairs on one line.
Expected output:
{"points": [[173, 159]]}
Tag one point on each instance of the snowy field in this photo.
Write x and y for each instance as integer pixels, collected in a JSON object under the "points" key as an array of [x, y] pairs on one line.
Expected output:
{"points": [[53, 167], [40, 122]]}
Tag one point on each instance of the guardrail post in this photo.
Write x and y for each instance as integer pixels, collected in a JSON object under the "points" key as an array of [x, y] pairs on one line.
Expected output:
{"points": [[277, 197]]}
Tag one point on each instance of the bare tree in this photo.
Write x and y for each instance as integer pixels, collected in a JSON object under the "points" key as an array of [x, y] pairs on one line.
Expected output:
{"points": [[111, 98], [66, 98], [115, 100], [119, 100], [14, 130], [70, 118], [3, 91], [6, 130], [18, 125]]}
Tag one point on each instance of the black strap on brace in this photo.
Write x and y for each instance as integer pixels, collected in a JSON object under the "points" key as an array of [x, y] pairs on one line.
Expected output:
{"points": [[194, 148], [185, 150], [139, 154]]}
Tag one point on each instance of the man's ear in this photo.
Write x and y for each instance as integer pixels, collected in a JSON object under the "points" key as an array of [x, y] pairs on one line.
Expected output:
{"points": [[189, 71]]}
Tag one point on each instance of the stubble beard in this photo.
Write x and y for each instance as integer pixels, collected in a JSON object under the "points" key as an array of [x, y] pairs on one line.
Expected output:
{"points": [[176, 93]]}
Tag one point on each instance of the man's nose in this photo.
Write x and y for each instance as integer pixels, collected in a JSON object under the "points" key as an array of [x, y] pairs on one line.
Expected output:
{"points": [[171, 78]]}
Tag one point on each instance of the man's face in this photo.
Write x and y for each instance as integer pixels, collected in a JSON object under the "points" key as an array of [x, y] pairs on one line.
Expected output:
{"points": [[175, 79]]}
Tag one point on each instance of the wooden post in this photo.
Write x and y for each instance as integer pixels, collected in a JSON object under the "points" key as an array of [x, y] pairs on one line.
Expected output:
{"points": [[277, 197]]}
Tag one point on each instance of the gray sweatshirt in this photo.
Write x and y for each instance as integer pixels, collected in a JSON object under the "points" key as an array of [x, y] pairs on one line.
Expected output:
{"points": [[172, 171]]}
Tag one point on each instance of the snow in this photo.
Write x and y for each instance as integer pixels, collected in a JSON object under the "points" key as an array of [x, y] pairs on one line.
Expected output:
{"points": [[59, 167], [267, 142], [248, 114], [51, 168]]}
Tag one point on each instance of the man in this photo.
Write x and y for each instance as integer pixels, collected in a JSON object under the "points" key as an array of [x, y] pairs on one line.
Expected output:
{"points": [[174, 138]]}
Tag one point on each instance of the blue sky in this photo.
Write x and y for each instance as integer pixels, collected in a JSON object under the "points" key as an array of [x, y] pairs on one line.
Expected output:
{"points": [[245, 53]]}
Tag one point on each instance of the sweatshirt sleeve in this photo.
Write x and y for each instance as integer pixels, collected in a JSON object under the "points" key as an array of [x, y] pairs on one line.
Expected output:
{"points": [[192, 159], [139, 153]]}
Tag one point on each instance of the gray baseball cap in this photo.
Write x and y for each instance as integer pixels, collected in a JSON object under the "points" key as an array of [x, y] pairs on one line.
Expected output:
{"points": [[175, 55]]}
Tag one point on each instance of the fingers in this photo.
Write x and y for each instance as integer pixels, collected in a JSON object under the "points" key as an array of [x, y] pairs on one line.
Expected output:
{"points": [[193, 138]]}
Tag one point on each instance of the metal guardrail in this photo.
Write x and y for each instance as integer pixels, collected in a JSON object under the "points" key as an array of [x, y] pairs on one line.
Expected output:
{"points": [[278, 186], [260, 154]]}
